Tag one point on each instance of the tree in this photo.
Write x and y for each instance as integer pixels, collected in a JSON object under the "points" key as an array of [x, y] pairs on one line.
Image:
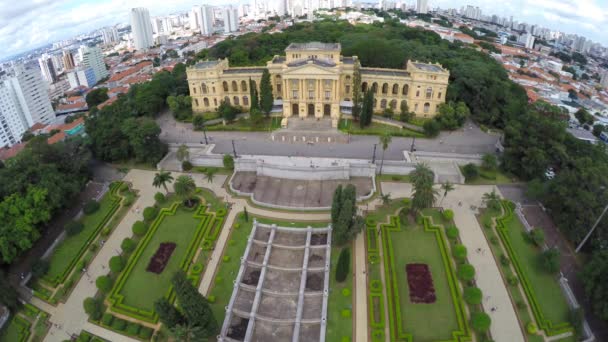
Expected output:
{"points": [[73, 227], [385, 141], [96, 96], [489, 162], [266, 98], [480, 321], [424, 195], [144, 139], [336, 205], [446, 187], [194, 306], [367, 109], [180, 106], [404, 112], [161, 179], [470, 171], [93, 308], [168, 314], [346, 223], [584, 117], [452, 115], [593, 278], [104, 283], [431, 128], [228, 162], [185, 187], [550, 260], [492, 200], [537, 236], [472, 295], [198, 122], [253, 93], [226, 111], [8, 295], [40, 268], [187, 332], [209, 174], [598, 129], [357, 90], [182, 153], [343, 265], [386, 198], [117, 263]]}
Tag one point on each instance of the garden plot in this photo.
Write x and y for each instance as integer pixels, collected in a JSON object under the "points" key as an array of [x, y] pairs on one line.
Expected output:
{"points": [[279, 290]]}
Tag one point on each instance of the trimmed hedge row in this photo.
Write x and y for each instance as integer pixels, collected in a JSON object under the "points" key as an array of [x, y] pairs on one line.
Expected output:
{"points": [[131, 329], [115, 204], [550, 328], [23, 327]]}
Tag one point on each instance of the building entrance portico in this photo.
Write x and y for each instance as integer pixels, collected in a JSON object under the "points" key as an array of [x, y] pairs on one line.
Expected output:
{"points": [[311, 109], [327, 110]]}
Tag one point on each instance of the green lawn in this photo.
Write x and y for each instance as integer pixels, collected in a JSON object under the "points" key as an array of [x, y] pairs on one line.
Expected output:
{"points": [[490, 178], [393, 178], [11, 331], [71, 247], [425, 322], [339, 327], [141, 287], [375, 128]]}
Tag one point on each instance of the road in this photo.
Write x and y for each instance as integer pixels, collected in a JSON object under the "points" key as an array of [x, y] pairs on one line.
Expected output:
{"points": [[468, 140]]}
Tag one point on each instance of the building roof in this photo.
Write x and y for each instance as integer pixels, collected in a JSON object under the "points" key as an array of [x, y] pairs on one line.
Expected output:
{"points": [[244, 70], [107, 102], [6, 153], [315, 61], [313, 46], [206, 64], [278, 60], [386, 72], [56, 138], [348, 60], [428, 67], [72, 106], [130, 71]]}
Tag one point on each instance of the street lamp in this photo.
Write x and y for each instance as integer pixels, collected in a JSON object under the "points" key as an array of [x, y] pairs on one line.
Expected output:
{"points": [[374, 155], [233, 149], [205, 134], [591, 230]]}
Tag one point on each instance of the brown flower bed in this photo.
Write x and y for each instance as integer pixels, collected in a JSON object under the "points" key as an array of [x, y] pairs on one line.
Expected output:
{"points": [[420, 282], [161, 257]]}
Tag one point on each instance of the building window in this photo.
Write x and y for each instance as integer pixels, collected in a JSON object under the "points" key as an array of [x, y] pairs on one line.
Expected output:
{"points": [[347, 90], [375, 88], [227, 99], [294, 94], [245, 101], [206, 102], [213, 89], [395, 89], [417, 93], [439, 95], [311, 94], [327, 83], [235, 100], [196, 102], [194, 90], [427, 106], [215, 102], [311, 84], [429, 92], [416, 107], [279, 87], [243, 86], [204, 88], [383, 104], [327, 94], [234, 86], [225, 85], [385, 88]]}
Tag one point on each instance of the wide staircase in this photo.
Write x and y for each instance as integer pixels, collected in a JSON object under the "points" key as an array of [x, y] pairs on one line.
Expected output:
{"points": [[309, 131]]}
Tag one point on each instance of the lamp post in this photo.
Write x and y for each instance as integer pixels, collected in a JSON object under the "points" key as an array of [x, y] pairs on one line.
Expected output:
{"points": [[233, 149], [374, 155], [205, 134], [580, 245]]}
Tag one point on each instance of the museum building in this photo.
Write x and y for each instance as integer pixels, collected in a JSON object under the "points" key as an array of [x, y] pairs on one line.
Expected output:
{"points": [[314, 80]]}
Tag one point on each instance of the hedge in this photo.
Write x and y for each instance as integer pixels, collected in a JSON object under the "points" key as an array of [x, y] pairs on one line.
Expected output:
{"points": [[343, 265], [373, 322]]}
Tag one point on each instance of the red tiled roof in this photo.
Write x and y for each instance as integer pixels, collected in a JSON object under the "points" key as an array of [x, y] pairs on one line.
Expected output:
{"points": [[75, 99], [12, 151], [130, 71], [532, 95], [107, 102], [37, 126], [118, 90], [71, 106], [56, 138], [137, 79]]}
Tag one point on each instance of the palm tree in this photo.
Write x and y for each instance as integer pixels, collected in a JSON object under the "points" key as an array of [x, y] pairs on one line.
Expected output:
{"points": [[446, 187], [161, 179], [187, 332], [182, 153], [184, 187], [385, 140], [424, 195], [492, 200], [386, 198], [422, 174], [209, 173]]}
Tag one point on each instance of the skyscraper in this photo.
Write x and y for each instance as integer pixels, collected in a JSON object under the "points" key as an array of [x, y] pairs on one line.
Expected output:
{"points": [[47, 68], [195, 17], [109, 35], [24, 101], [93, 58], [231, 19], [422, 6], [68, 60], [141, 27], [207, 19]]}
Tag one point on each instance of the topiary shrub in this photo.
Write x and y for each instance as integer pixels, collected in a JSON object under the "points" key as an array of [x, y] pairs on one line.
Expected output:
{"points": [[104, 283], [377, 335], [345, 313], [513, 280], [150, 213], [470, 171], [346, 292], [466, 272], [128, 245], [139, 228], [494, 240], [93, 308], [93, 247], [221, 212], [371, 222], [107, 319], [211, 299], [116, 264], [197, 269], [460, 252], [452, 232], [106, 231], [90, 207], [531, 328], [226, 258], [480, 321], [504, 260], [129, 199], [73, 227], [159, 197], [145, 333], [133, 328], [123, 187], [537, 236], [119, 324], [228, 162], [549, 260], [186, 165], [375, 286], [373, 259], [448, 214], [472, 295], [343, 265], [521, 305]]}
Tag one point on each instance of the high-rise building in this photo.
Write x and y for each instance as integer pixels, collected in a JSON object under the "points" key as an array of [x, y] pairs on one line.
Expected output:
{"points": [[206, 20], [231, 19], [68, 60], [83, 76], [195, 17], [166, 25], [110, 35], [47, 68], [579, 43], [528, 40], [93, 58], [24, 101], [141, 27], [422, 6]]}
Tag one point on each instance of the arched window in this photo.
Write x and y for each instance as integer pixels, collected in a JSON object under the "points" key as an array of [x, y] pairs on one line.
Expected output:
{"points": [[429, 92], [196, 102], [416, 107], [395, 89], [204, 88], [227, 99], [215, 102], [406, 89], [385, 88], [393, 104], [417, 93], [225, 84], [363, 87], [245, 101], [243, 86], [375, 88], [234, 86], [427, 106], [235, 100], [383, 104], [206, 102], [213, 89], [404, 104], [439, 95]]}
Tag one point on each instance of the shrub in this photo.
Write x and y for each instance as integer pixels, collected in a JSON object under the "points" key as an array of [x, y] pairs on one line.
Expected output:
{"points": [[226, 258], [531, 328], [431, 128], [93, 247], [106, 231], [228, 162], [145, 333], [504, 260], [123, 187], [375, 285], [460, 252], [472, 295], [139, 228], [159, 197], [487, 222], [104, 283], [186, 165], [221, 212], [343, 265], [470, 171], [197, 269], [448, 214], [377, 335], [107, 319], [513, 280], [40, 267], [371, 222], [119, 324], [550, 260], [127, 245], [116, 264], [521, 305], [452, 232], [84, 337], [211, 299], [133, 328], [129, 199], [90, 207], [466, 272], [537, 236], [150, 213], [494, 240], [73, 227], [346, 292], [480, 321], [92, 307], [345, 313]]}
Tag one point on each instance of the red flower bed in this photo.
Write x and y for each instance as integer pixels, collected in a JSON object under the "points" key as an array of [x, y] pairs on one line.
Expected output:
{"points": [[161, 257], [420, 282]]}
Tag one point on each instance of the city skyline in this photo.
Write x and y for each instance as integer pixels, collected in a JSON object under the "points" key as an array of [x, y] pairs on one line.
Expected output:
{"points": [[20, 30]]}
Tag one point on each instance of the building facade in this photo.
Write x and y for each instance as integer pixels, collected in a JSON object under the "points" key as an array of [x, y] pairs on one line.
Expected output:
{"points": [[141, 27], [92, 57], [315, 80]]}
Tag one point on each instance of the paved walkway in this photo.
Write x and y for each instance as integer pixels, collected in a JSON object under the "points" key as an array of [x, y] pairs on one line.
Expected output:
{"points": [[505, 326]]}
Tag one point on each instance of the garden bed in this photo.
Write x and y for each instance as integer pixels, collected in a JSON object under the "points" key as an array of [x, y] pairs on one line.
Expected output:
{"points": [[161, 257], [420, 283]]}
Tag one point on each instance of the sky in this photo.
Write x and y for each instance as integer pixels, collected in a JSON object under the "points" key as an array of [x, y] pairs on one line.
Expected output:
{"points": [[27, 24]]}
